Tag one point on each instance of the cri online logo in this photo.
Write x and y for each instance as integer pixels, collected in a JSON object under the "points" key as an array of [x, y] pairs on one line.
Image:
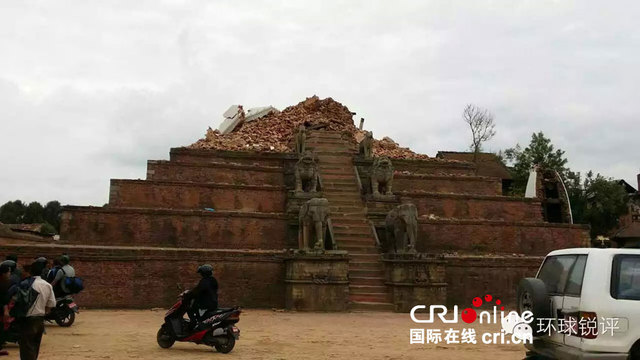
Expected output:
{"points": [[469, 315], [512, 322]]}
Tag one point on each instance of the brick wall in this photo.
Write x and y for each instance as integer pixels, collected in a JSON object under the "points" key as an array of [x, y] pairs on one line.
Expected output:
{"points": [[433, 166], [202, 156], [498, 237], [174, 228], [471, 276], [220, 173], [148, 278], [447, 184], [475, 206], [186, 195]]}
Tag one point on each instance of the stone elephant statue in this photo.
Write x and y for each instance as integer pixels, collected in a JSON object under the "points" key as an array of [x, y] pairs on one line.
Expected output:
{"points": [[401, 226], [313, 220]]}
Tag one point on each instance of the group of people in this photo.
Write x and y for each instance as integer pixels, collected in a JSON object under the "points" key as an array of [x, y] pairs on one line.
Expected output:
{"points": [[26, 299]]}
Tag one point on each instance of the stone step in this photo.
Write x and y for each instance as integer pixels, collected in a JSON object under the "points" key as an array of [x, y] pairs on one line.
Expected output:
{"points": [[334, 159], [365, 289], [354, 228], [347, 202], [337, 152], [330, 167], [351, 197], [322, 134], [355, 239], [336, 176], [370, 297], [344, 222], [339, 191], [360, 250], [355, 234], [363, 280], [338, 182], [365, 267], [370, 306], [314, 140], [341, 188], [366, 273], [337, 210], [365, 257]]}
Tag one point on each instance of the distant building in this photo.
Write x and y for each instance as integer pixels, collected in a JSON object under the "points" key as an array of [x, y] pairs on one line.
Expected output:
{"points": [[629, 233], [488, 164]]}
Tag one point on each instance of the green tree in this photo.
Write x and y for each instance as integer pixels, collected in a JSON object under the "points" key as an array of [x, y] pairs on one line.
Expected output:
{"points": [[606, 202], [33, 213], [539, 152], [577, 197], [48, 229], [12, 212], [51, 214]]}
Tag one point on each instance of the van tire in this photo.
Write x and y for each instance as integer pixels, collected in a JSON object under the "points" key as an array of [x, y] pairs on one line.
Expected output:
{"points": [[532, 296]]}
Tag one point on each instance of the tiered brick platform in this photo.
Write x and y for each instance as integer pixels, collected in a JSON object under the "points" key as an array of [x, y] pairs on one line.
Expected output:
{"points": [[237, 210]]}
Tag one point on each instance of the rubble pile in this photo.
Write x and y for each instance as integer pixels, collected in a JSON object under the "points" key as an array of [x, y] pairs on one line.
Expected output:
{"points": [[275, 131]]}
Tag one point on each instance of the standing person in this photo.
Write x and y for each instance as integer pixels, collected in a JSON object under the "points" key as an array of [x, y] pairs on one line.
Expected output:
{"points": [[32, 326], [16, 268], [5, 283], [66, 271]]}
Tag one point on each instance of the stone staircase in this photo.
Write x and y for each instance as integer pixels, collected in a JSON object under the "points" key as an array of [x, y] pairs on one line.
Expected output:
{"points": [[351, 228]]}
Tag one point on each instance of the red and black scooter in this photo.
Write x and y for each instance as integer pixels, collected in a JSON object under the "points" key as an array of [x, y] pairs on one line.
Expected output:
{"points": [[215, 328]]}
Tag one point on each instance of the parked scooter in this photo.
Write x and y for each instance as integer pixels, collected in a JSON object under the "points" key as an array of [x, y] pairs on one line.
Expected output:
{"points": [[215, 328], [64, 314]]}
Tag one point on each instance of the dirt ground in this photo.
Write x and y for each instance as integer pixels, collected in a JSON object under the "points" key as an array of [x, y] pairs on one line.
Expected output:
{"points": [[101, 334]]}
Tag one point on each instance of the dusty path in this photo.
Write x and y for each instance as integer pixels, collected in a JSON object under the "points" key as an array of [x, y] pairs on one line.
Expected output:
{"points": [[265, 335]]}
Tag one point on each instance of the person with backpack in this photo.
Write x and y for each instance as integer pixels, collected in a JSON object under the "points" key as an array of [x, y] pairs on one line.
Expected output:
{"points": [[51, 275], [16, 273], [5, 283], [32, 299], [60, 281]]}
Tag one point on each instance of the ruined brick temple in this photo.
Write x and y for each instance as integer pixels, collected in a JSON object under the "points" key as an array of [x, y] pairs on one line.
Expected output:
{"points": [[238, 201]]}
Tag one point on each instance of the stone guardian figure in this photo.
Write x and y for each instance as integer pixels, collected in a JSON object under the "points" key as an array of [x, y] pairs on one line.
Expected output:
{"points": [[365, 148], [312, 220], [301, 140], [401, 226], [306, 173], [381, 176]]}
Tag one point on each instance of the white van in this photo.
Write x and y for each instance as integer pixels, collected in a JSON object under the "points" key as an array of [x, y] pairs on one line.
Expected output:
{"points": [[586, 305]]}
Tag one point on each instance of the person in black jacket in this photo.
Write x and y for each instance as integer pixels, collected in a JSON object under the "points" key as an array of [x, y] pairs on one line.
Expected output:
{"points": [[204, 297]]}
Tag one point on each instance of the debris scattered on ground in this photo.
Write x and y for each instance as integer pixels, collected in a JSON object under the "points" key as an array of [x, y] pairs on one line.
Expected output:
{"points": [[275, 130]]}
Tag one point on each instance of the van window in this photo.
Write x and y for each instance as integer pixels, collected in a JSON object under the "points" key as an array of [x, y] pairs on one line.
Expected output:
{"points": [[555, 271], [574, 283], [625, 277]]}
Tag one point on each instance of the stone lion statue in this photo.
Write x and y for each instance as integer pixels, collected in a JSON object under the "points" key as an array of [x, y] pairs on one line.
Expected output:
{"points": [[381, 176], [365, 148], [306, 173]]}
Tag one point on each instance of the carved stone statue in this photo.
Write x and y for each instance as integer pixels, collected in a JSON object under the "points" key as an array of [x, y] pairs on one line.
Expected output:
{"points": [[313, 219], [381, 176], [365, 148], [306, 173], [402, 229], [301, 140]]}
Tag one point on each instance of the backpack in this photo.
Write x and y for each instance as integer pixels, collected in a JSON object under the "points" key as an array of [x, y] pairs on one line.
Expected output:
{"points": [[73, 284], [24, 298]]}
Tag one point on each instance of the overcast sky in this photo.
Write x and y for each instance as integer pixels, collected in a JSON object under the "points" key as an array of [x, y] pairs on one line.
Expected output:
{"points": [[90, 90]]}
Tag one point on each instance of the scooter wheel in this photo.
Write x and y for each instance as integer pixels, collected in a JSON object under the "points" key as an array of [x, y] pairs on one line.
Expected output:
{"points": [[165, 340], [227, 346], [66, 320]]}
